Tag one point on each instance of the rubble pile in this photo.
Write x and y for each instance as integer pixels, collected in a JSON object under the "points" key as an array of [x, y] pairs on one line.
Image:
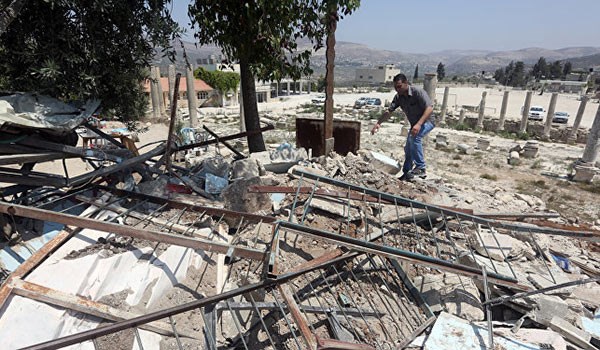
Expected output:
{"points": [[198, 246]]}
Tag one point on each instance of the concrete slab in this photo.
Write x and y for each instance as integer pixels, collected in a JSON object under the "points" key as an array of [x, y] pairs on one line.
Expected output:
{"points": [[451, 333]]}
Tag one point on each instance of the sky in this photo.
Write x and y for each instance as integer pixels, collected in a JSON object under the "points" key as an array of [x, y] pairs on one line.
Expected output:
{"points": [[426, 26]]}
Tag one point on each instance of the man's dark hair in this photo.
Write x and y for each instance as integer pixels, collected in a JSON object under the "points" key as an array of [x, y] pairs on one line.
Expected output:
{"points": [[400, 77]]}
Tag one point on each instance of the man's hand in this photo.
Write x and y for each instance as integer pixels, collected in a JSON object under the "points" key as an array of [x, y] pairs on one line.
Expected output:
{"points": [[375, 128], [415, 129]]}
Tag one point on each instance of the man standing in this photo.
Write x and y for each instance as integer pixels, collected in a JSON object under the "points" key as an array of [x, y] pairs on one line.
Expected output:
{"points": [[417, 106]]}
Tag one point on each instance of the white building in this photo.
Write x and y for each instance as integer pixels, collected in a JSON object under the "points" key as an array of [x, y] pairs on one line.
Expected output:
{"points": [[378, 75], [215, 63]]}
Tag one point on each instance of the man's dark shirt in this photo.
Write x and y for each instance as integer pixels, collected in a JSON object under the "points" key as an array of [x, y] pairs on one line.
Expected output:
{"points": [[413, 104]]}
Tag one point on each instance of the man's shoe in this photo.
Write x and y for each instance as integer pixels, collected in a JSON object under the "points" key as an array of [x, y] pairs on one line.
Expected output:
{"points": [[407, 176], [420, 172]]}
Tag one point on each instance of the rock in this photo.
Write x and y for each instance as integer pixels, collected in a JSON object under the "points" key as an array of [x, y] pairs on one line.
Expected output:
{"points": [[336, 207], [514, 158], [546, 307], [465, 149], [246, 168], [236, 197], [483, 143]]}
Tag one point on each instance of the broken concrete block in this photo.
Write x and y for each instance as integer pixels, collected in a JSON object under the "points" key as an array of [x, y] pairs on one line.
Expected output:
{"points": [[546, 307], [384, 163], [497, 247], [336, 207], [531, 149], [246, 168], [483, 143], [450, 333], [514, 158], [450, 293], [585, 173], [465, 149], [236, 197], [573, 334]]}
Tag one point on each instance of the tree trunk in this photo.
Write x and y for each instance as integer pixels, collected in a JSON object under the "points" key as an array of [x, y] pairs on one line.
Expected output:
{"points": [[9, 13], [330, 58], [255, 142]]}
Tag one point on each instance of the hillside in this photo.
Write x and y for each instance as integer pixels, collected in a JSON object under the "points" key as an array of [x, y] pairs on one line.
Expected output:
{"points": [[350, 56]]}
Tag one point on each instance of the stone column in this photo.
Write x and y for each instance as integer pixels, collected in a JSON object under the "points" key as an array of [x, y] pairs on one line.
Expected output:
{"points": [[161, 96], [288, 88], [481, 110], [525, 112], [550, 115], [461, 117], [171, 78], [503, 111], [444, 106], [429, 85], [592, 147], [573, 133], [300, 87], [154, 93], [191, 96]]}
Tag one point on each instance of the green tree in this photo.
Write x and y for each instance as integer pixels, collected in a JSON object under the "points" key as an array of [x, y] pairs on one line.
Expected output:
{"points": [[416, 75], [221, 81], [556, 70], [567, 69], [76, 49], [441, 71], [540, 69], [517, 77], [499, 76], [263, 37], [321, 84]]}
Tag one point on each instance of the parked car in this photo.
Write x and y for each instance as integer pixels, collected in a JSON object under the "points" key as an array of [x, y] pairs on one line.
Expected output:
{"points": [[361, 102], [537, 113], [319, 99], [560, 117], [373, 102]]}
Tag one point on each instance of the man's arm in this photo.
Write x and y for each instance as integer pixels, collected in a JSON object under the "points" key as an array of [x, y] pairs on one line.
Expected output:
{"points": [[417, 127], [385, 116]]}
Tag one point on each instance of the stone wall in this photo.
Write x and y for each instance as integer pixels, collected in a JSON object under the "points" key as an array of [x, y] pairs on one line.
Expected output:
{"points": [[534, 129]]}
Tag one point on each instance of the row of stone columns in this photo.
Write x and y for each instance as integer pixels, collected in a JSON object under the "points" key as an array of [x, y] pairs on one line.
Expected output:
{"points": [[593, 143], [291, 86], [156, 93]]}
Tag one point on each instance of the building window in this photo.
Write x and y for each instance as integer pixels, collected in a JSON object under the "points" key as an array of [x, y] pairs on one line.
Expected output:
{"points": [[370, 77], [380, 67], [361, 77], [202, 95]]}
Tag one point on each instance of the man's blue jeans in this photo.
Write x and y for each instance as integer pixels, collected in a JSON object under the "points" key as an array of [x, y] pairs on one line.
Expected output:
{"points": [[413, 149]]}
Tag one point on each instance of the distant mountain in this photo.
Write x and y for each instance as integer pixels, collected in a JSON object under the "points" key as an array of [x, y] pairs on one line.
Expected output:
{"points": [[349, 56]]}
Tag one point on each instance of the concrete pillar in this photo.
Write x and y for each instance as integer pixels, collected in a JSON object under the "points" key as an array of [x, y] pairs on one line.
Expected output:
{"points": [[481, 110], [461, 117], [503, 111], [171, 77], [429, 85], [444, 105], [525, 112], [191, 95], [154, 93], [573, 133], [161, 96], [592, 147], [300, 87], [550, 115], [288, 88]]}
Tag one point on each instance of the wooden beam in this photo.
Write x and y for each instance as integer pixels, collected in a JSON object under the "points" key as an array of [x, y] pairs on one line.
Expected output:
{"points": [[34, 260], [301, 322], [87, 306], [72, 220]]}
